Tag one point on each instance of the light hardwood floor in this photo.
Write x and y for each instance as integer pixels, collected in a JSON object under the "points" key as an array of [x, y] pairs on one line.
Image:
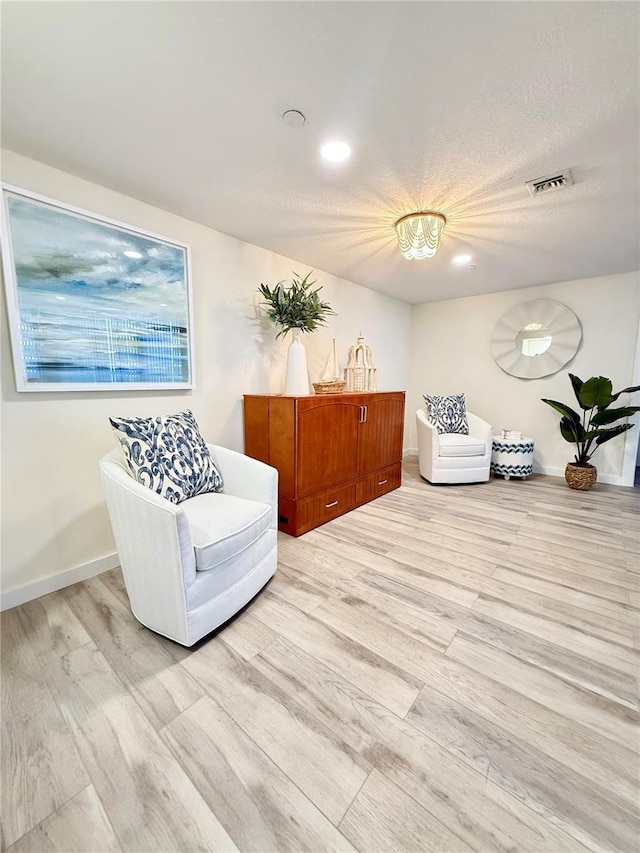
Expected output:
{"points": [[444, 669]]}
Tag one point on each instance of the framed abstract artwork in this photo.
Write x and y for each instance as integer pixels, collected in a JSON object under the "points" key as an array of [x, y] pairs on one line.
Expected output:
{"points": [[93, 304]]}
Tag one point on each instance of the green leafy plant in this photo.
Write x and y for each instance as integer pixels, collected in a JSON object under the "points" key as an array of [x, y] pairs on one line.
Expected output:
{"points": [[297, 306], [593, 428]]}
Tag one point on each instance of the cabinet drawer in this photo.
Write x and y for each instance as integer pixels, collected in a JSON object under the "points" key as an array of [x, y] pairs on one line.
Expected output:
{"points": [[379, 483], [320, 508]]}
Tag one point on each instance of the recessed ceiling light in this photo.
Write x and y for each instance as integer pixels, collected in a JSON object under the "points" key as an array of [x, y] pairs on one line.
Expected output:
{"points": [[132, 254], [335, 152], [61, 298], [461, 259]]}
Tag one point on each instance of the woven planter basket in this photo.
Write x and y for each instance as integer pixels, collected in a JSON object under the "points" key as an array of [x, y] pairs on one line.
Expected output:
{"points": [[582, 477]]}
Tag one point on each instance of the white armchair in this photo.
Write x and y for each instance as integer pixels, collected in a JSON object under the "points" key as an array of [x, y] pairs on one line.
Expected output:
{"points": [[189, 567], [453, 457]]}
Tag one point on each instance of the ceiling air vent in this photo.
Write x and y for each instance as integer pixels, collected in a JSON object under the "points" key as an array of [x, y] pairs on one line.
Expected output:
{"points": [[556, 181]]}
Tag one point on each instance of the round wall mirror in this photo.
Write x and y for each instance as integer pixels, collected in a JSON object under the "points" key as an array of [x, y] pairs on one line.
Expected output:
{"points": [[536, 338]]}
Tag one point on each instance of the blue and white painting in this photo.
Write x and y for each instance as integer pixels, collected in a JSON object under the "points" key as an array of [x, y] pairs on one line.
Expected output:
{"points": [[97, 304]]}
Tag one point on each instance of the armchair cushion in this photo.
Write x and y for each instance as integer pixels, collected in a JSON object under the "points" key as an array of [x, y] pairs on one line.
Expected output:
{"points": [[447, 414], [456, 444], [223, 525], [168, 455]]}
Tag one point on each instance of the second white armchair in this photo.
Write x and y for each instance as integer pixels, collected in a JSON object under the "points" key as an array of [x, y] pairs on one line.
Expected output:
{"points": [[454, 457]]}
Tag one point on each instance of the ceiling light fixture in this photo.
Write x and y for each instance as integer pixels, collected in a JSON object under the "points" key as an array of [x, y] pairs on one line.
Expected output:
{"points": [[461, 259], [419, 234], [335, 152]]}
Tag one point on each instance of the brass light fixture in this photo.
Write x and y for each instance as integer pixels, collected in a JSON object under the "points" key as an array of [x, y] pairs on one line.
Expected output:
{"points": [[419, 234]]}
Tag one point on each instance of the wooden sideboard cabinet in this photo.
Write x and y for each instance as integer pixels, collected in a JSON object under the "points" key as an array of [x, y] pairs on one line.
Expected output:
{"points": [[333, 452]]}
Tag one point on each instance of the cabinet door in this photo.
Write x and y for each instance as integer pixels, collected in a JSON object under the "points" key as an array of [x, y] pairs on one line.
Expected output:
{"points": [[380, 436], [327, 445]]}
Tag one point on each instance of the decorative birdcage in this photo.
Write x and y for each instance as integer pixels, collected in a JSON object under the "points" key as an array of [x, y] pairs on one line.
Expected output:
{"points": [[361, 373]]}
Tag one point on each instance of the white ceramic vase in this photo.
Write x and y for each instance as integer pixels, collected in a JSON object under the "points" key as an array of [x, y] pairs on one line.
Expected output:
{"points": [[297, 376]]}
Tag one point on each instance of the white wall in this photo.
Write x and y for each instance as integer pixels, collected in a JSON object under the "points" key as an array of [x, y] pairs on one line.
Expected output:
{"points": [[55, 528], [451, 353]]}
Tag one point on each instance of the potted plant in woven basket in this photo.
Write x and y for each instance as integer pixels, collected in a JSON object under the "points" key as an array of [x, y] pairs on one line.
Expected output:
{"points": [[296, 309], [593, 427]]}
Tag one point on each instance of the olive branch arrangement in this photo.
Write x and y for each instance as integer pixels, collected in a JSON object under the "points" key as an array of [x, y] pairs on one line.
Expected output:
{"points": [[297, 306]]}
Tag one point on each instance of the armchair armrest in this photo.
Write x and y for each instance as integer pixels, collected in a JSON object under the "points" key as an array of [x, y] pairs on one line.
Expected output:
{"points": [[428, 438], [248, 478], [481, 429], [154, 544]]}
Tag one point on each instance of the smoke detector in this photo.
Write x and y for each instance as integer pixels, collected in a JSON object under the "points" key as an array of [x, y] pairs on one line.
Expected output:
{"points": [[294, 118], [555, 181]]}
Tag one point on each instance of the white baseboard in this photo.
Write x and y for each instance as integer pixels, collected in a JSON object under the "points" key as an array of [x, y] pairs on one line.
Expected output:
{"points": [[609, 479], [43, 586]]}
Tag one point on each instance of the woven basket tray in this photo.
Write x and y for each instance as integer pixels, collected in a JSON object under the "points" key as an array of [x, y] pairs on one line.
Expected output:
{"points": [[335, 386]]}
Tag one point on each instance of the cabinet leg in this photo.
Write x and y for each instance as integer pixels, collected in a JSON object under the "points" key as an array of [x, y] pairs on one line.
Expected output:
{"points": [[507, 476]]}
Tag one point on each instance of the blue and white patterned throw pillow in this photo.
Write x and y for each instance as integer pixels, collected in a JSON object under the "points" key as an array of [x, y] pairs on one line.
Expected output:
{"points": [[168, 455], [447, 414]]}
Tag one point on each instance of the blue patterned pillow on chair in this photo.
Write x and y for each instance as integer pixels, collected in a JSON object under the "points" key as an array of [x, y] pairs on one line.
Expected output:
{"points": [[447, 414], [168, 455]]}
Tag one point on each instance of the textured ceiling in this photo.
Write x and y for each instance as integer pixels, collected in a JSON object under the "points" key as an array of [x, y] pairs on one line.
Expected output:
{"points": [[449, 106]]}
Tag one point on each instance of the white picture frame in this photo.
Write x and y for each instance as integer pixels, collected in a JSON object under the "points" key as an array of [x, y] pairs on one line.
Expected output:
{"points": [[93, 304]]}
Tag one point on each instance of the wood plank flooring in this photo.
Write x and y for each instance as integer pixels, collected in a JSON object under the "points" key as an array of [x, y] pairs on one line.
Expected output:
{"points": [[444, 669]]}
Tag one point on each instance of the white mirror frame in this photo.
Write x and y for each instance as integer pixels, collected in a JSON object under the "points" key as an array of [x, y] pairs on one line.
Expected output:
{"points": [[561, 322]]}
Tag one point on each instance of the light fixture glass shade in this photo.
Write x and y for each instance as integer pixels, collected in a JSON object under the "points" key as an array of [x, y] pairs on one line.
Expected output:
{"points": [[419, 234]]}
